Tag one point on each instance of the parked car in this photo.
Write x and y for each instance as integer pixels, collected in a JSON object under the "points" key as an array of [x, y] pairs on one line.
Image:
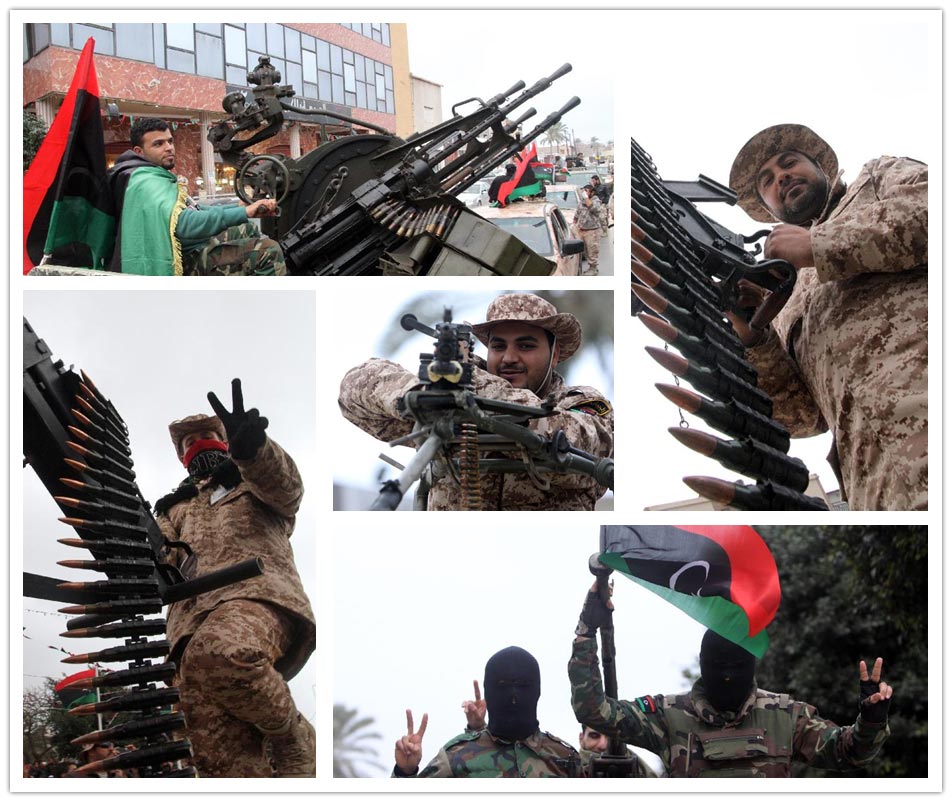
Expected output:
{"points": [[476, 195], [541, 226], [566, 197]]}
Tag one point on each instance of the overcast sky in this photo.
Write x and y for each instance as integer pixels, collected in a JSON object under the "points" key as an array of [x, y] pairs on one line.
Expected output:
{"points": [[480, 54]]}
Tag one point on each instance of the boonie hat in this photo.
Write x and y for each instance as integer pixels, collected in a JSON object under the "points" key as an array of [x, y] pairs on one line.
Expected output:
{"points": [[767, 144], [533, 311], [195, 423]]}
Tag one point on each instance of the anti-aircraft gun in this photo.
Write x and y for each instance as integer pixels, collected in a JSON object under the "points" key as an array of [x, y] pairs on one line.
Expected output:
{"points": [[686, 271], [373, 204], [474, 435], [78, 445]]}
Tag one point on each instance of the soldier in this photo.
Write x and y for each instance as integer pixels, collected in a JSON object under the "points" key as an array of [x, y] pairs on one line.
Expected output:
{"points": [[592, 743], [526, 337], [848, 353], [588, 223], [604, 194], [236, 647], [150, 203], [512, 745], [726, 726]]}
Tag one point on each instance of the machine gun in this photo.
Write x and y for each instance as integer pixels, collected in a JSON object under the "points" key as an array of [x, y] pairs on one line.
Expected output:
{"points": [[78, 445], [375, 204], [616, 761], [451, 419], [686, 271]]}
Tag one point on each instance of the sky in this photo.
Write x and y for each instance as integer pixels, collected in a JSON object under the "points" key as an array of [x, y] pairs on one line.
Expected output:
{"points": [[156, 355], [478, 54]]}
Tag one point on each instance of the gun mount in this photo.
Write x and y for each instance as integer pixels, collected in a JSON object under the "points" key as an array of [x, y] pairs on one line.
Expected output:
{"points": [[687, 271], [376, 204], [78, 445], [474, 435]]}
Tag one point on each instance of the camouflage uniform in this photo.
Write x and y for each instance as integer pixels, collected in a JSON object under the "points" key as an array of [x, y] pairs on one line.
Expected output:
{"points": [[694, 740], [479, 754], [848, 353], [368, 399], [588, 223], [236, 646], [236, 251]]}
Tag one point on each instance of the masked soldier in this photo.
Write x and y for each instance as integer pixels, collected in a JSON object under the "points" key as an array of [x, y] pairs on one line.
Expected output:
{"points": [[236, 647], [725, 726], [848, 352], [512, 745]]}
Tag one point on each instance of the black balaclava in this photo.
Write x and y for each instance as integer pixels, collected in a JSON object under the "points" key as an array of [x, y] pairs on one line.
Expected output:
{"points": [[512, 685], [203, 456], [727, 671]]}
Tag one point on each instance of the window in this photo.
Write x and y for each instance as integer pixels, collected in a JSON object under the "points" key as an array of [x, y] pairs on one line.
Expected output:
{"points": [[292, 44], [134, 40], [209, 56], [256, 37], [103, 37], [180, 35], [275, 40], [235, 49]]}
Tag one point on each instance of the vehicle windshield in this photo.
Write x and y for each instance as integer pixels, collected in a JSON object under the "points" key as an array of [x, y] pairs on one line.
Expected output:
{"points": [[531, 230], [563, 198]]}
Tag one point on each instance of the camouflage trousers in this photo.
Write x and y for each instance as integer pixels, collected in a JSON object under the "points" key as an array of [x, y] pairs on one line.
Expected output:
{"points": [[590, 237], [236, 251], [228, 686]]}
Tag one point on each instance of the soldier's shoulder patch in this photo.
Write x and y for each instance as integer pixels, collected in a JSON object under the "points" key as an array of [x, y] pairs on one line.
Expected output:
{"points": [[592, 406], [646, 704]]}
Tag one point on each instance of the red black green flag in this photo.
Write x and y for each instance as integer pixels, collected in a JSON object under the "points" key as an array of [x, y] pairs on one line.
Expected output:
{"points": [[71, 697], [722, 576], [524, 182], [66, 212]]}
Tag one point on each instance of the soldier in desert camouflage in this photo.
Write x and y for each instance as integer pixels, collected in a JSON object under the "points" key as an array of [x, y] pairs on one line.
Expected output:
{"points": [[848, 353], [511, 745], [526, 337], [725, 726], [236, 647]]}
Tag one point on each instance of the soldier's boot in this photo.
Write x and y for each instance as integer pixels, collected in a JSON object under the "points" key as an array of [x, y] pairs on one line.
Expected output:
{"points": [[293, 747]]}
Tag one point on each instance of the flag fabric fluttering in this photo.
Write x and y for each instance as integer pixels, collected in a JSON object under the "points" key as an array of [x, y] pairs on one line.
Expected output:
{"points": [[524, 182], [724, 577], [66, 210], [71, 697]]}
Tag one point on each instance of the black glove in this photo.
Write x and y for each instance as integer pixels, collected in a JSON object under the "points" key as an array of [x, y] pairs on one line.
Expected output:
{"points": [[873, 713], [594, 615], [245, 430]]}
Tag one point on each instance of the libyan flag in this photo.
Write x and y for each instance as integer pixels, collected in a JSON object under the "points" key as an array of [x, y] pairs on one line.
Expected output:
{"points": [[524, 182], [65, 206], [71, 697], [722, 576]]}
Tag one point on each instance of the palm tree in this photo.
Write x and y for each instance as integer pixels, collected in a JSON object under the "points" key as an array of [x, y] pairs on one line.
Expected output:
{"points": [[350, 747], [556, 135], [595, 144]]}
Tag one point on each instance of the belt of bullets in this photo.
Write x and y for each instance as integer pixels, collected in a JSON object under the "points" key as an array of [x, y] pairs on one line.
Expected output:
{"points": [[675, 295]]}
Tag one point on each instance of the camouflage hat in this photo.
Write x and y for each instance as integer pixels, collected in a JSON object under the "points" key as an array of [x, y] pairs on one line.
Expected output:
{"points": [[195, 423], [533, 311], [767, 144]]}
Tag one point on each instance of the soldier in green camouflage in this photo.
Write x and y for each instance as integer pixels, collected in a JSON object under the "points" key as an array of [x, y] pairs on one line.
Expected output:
{"points": [[726, 726], [592, 743], [512, 745]]}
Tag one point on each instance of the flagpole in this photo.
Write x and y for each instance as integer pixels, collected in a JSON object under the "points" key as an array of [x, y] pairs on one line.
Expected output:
{"points": [[98, 698]]}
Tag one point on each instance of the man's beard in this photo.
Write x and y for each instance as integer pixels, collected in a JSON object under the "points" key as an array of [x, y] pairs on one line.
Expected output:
{"points": [[808, 204]]}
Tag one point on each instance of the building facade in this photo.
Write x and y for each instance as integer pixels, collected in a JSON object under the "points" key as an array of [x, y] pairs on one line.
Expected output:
{"points": [[181, 72]]}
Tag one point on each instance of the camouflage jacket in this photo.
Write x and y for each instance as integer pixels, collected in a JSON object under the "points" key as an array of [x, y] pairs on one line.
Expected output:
{"points": [[253, 519], [694, 740], [848, 352], [368, 399], [588, 217], [479, 754]]}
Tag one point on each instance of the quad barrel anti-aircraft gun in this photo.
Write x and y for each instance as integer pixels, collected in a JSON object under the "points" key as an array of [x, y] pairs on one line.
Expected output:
{"points": [[376, 204]]}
